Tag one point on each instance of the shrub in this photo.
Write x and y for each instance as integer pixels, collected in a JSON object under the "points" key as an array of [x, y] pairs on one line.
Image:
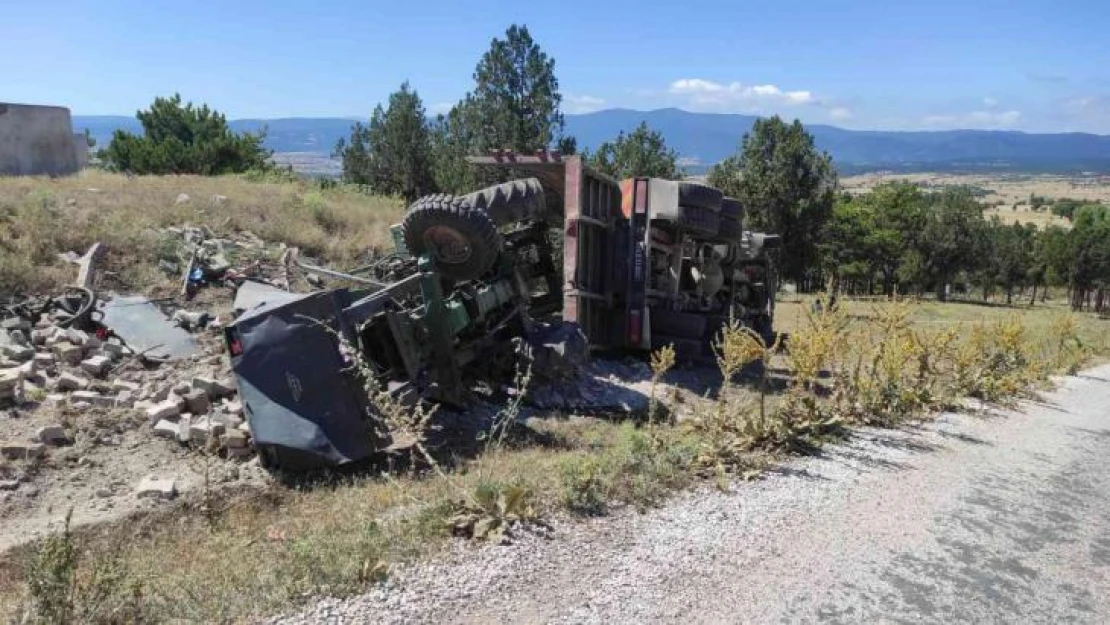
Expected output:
{"points": [[185, 139]]}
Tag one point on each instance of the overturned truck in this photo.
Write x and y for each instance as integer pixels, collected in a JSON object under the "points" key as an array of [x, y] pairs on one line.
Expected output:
{"points": [[646, 263]]}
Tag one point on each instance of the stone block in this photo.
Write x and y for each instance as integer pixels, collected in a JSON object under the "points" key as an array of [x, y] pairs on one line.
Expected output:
{"points": [[72, 382], [166, 429], [96, 365], [156, 488], [196, 402], [68, 353], [164, 410], [92, 398]]}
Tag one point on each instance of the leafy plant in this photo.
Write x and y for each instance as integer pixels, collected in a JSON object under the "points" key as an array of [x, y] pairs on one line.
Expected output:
{"points": [[491, 512]]}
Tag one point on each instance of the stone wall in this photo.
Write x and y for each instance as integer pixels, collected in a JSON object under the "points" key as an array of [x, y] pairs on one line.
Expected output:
{"points": [[36, 140]]}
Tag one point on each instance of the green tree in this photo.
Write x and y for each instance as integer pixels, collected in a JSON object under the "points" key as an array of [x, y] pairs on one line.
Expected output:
{"points": [[391, 154], [185, 139], [1067, 207], [899, 217], [845, 246], [1090, 257], [1009, 260], [949, 241], [515, 104], [788, 187], [643, 152]]}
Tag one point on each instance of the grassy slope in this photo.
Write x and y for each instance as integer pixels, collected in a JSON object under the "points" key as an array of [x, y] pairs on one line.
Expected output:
{"points": [[41, 217]]}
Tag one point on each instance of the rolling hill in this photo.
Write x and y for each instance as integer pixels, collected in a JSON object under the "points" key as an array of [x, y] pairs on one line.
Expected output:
{"points": [[706, 138]]}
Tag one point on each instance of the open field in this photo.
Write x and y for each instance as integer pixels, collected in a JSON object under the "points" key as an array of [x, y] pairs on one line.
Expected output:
{"points": [[1008, 194]]}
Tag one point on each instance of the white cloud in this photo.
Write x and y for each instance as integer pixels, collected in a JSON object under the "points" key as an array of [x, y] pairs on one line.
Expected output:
{"points": [[582, 103], [974, 119], [706, 94], [990, 102], [840, 113]]}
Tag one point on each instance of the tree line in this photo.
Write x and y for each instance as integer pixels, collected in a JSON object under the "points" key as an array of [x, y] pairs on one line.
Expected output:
{"points": [[902, 238]]}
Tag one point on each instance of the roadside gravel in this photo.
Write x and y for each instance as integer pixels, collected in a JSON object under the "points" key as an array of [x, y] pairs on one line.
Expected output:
{"points": [[997, 517]]}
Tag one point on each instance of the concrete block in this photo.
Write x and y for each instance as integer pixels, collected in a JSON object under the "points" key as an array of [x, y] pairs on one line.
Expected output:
{"points": [[239, 453], [125, 399], [163, 410], [72, 382], [92, 398], [166, 429], [235, 439], [156, 488], [18, 324], [21, 451], [196, 402], [96, 365], [68, 353], [123, 385], [201, 428], [215, 389]]}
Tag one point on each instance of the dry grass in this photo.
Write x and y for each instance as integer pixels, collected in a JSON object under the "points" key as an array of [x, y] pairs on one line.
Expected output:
{"points": [[42, 217], [269, 552], [935, 316]]}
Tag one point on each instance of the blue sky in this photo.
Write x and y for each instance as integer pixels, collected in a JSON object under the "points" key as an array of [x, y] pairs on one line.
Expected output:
{"points": [[1021, 64]]}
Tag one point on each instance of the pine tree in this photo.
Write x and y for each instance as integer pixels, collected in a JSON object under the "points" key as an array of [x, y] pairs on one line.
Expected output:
{"points": [[643, 152], [391, 154], [787, 186]]}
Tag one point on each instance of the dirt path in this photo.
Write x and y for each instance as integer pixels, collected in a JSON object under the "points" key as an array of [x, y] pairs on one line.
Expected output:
{"points": [[1002, 518]]}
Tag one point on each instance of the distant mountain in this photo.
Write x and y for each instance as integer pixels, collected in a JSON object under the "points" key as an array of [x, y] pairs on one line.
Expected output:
{"points": [[706, 138], [295, 134]]}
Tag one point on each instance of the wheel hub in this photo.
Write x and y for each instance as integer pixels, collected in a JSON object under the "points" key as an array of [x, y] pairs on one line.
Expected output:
{"points": [[448, 244]]}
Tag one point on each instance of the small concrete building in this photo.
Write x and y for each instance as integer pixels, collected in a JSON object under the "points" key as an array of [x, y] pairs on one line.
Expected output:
{"points": [[38, 140]]}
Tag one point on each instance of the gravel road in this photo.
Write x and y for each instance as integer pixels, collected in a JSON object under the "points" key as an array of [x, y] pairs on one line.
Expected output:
{"points": [[997, 518]]}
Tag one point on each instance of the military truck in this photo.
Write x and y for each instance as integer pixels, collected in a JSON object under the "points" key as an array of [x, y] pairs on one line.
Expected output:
{"points": [[646, 262], [649, 262]]}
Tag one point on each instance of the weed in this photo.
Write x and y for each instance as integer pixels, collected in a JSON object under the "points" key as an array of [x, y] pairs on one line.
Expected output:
{"points": [[585, 491], [492, 510], [662, 360], [65, 588]]}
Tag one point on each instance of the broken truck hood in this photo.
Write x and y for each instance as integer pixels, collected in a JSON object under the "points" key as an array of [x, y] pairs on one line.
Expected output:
{"points": [[301, 402]]}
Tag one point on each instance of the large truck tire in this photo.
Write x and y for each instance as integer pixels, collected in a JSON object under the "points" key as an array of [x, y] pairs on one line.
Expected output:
{"points": [[692, 194], [698, 221], [463, 241], [513, 201], [693, 207]]}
